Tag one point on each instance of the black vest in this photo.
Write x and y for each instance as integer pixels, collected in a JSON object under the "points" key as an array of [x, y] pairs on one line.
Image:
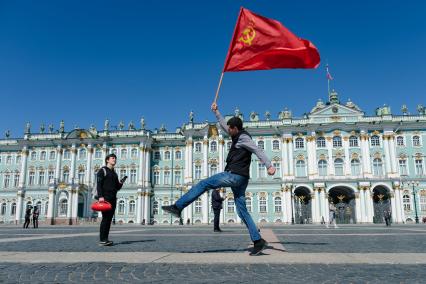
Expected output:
{"points": [[239, 159]]}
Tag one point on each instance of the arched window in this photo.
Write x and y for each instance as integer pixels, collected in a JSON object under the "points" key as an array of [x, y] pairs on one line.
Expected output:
{"points": [[277, 205], [262, 205], [419, 167], [416, 140], [320, 142], [213, 169], [353, 141], [231, 205], [13, 209], [375, 141], [156, 177], [43, 155], [63, 206], [67, 154], [133, 176], [66, 176], [213, 146], [155, 208], [33, 156], [198, 147], [178, 155], [123, 154], [132, 207], [322, 167], [248, 204], [377, 167], [98, 153], [197, 172], [400, 141], [3, 209], [355, 167], [261, 145], [134, 153], [166, 177], [403, 167], [114, 151], [275, 145], [300, 168], [167, 155], [338, 167], [121, 207], [198, 206], [82, 154], [422, 197], [337, 142], [52, 155], [300, 143], [406, 201]]}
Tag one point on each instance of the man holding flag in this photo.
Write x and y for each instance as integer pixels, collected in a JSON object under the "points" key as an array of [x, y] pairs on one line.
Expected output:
{"points": [[258, 43]]}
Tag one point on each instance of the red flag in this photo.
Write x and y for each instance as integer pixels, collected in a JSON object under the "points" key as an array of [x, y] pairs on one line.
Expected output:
{"points": [[260, 43]]}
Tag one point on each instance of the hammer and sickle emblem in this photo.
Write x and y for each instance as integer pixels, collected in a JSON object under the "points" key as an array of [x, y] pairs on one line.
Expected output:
{"points": [[248, 35]]}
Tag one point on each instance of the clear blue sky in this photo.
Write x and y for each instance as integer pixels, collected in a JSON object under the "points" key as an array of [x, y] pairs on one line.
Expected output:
{"points": [[84, 61]]}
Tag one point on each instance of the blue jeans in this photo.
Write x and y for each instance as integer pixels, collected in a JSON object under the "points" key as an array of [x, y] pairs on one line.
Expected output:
{"points": [[237, 183]]}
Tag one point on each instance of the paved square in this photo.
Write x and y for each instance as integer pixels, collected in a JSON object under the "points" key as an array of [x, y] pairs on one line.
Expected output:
{"points": [[310, 253]]}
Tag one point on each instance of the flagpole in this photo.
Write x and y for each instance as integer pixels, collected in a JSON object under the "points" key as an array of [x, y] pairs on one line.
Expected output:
{"points": [[218, 88]]}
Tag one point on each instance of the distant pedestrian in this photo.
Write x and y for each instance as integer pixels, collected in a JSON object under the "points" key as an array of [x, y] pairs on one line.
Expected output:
{"points": [[388, 216], [217, 201], [188, 221], [36, 213], [27, 217], [332, 216]]}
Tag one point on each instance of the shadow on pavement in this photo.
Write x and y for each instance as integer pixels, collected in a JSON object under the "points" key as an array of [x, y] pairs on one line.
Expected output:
{"points": [[132, 242]]}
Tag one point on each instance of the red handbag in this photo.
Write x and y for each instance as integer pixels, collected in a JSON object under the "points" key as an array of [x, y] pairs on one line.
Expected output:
{"points": [[101, 206]]}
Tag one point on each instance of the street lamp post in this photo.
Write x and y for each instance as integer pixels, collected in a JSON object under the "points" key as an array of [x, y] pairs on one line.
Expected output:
{"points": [[414, 184], [292, 207]]}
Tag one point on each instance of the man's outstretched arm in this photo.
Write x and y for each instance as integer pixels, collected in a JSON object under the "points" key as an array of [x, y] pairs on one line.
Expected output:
{"points": [[219, 117]]}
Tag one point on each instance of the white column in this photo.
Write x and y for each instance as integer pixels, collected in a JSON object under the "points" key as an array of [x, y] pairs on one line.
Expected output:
{"points": [[358, 204], [393, 154], [19, 206], [327, 207], [147, 203], [347, 157], [189, 151], [51, 205], [402, 214], [387, 155], [288, 204], [221, 154], [314, 202], [141, 168], [23, 174], [147, 180], [74, 209], [73, 160], [370, 206], [363, 211], [398, 205], [290, 157], [393, 205], [205, 202], [311, 154], [365, 150], [69, 202], [88, 175], [329, 145], [58, 163], [139, 212], [104, 151], [283, 206], [205, 157], [284, 158]]}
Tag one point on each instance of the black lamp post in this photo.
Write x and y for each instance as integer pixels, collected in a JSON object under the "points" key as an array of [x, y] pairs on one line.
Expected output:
{"points": [[414, 184], [292, 205]]}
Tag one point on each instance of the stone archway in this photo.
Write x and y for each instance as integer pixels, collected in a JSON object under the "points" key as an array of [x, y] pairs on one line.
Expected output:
{"points": [[302, 205], [343, 199], [381, 203]]}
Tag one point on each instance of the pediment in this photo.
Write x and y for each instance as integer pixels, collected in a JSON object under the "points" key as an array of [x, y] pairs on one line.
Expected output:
{"points": [[336, 110]]}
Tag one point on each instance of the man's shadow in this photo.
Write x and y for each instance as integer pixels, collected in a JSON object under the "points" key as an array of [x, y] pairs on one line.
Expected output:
{"points": [[132, 242]]}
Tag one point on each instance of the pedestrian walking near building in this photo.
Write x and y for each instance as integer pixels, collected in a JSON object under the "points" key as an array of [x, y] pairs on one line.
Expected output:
{"points": [[36, 214], [27, 217], [236, 176], [217, 201], [107, 187], [332, 215], [388, 216]]}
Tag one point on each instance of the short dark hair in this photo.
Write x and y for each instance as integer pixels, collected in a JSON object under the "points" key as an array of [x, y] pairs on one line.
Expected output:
{"points": [[235, 122], [110, 156]]}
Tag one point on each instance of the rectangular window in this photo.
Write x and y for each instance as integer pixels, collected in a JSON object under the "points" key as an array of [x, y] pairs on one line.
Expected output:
{"points": [[403, 167], [16, 180], [419, 167], [166, 177], [41, 178], [51, 175], [31, 178], [133, 176], [6, 181], [277, 166], [262, 173], [178, 177], [197, 172]]}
